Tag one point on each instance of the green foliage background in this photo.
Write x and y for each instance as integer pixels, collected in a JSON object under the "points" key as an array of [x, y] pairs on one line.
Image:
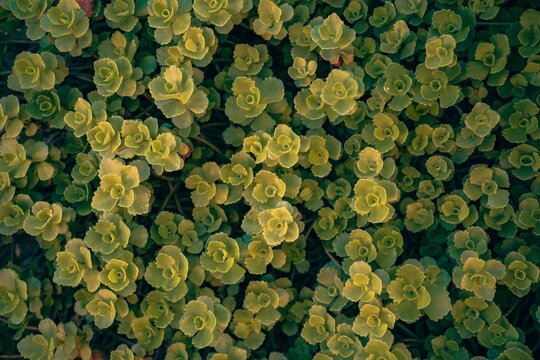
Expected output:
{"points": [[266, 179]]}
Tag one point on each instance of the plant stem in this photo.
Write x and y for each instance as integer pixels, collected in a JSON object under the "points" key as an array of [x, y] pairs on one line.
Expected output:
{"points": [[210, 125], [81, 67], [334, 260], [178, 206], [511, 308], [202, 140], [83, 78], [487, 23], [405, 329], [145, 111], [242, 25], [412, 340], [169, 195], [16, 41], [27, 327], [310, 229], [166, 178]]}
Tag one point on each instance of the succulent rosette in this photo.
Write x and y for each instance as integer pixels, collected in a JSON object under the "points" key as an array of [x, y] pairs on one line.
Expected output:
{"points": [[177, 97], [169, 272], [14, 293], [68, 26], [120, 188], [169, 18], [204, 321]]}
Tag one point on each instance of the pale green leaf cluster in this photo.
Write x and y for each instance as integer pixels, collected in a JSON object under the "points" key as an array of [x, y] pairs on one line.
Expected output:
{"points": [[269, 179]]}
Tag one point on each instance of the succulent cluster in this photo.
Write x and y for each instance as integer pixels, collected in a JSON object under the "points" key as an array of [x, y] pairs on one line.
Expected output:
{"points": [[270, 179]]}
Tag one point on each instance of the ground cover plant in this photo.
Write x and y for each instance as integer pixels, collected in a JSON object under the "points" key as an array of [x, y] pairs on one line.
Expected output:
{"points": [[269, 179]]}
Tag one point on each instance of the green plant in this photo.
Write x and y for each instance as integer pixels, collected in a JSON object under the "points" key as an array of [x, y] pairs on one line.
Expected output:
{"points": [[269, 179]]}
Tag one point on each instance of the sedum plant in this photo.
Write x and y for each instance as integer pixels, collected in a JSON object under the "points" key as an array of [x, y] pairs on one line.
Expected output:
{"points": [[224, 15], [478, 276], [203, 321], [373, 320], [177, 97], [363, 285], [115, 75], [169, 18], [372, 199], [120, 188], [269, 179], [269, 23], [169, 272], [14, 293], [220, 257], [68, 27], [319, 326], [104, 307], [121, 14], [253, 100], [37, 71], [74, 265]]}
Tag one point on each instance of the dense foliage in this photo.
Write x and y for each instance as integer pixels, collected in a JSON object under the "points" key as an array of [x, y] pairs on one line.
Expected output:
{"points": [[270, 179]]}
